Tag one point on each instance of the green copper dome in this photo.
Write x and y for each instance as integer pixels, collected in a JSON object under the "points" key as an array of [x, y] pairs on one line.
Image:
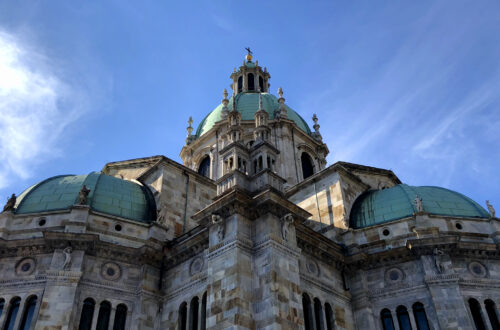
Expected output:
{"points": [[248, 104], [108, 195], [379, 206]]}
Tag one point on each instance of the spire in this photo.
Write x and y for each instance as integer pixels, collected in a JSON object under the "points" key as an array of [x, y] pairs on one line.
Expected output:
{"points": [[190, 138], [281, 112], [225, 102], [316, 126]]}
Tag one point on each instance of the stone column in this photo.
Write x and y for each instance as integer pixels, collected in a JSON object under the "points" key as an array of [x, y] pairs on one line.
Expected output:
{"points": [[412, 318], [112, 317], [200, 306], [96, 315], [484, 314], [395, 320]]}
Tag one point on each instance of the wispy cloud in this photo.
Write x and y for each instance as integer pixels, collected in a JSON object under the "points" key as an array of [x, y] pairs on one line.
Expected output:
{"points": [[36, 107]]}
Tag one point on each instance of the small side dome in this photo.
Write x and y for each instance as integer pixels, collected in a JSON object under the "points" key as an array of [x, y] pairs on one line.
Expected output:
{"points": [[379, 206], [107, 195]]}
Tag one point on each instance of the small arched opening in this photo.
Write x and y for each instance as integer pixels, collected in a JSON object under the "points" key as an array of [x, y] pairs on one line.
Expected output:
{"points": [[193, 313], [87, 314], [261, 84], [120, 317], [330, 321], [386, 318], [308, 315], [103, 316], [204, 168], [251, 82], [240, 84], [420, 316], [182, 316], [307, 165]]}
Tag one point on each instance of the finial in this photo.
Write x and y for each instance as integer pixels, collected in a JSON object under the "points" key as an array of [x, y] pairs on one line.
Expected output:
{"points": [[316, 134], [491, 209], [225, 102], [234, 103], [256, 63], [190, 138], [280, 92], [190, 128], [315, 120], [249, 54]]}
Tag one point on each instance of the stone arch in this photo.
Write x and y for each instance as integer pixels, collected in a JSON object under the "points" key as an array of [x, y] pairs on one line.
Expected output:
{"points": [[308, 314], [307, 165]]}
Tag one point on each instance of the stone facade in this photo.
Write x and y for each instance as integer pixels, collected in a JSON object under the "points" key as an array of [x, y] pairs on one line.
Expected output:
{"points": [[266, 239]]}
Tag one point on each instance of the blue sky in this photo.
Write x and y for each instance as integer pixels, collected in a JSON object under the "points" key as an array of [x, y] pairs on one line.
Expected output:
{"points": [[412, 86]]}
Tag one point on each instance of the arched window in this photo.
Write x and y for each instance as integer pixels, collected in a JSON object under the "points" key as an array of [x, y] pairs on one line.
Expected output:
{"points": [[182, 316], [261, 84], [29, 311], [87, 314], [403, 318], [386, 317], [2, 304], [12, 314], [318, 314], [420, 317], [120, 317], [330, 321], [307, 165], [240, 84], [204, 168], [193, 311], [492, 315], [251, 82], [103, 316], [203, 321], [475, 310], [308, 316]]}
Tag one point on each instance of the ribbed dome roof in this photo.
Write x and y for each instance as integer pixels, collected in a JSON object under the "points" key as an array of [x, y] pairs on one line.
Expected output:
{"points": [[108, 195], [248, 104], [379, 206]]}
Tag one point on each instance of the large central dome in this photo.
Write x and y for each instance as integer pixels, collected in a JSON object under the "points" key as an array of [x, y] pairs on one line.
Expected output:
{"points": [[248, 104]]}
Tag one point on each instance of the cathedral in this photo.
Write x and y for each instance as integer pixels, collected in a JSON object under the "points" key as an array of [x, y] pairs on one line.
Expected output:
{"points": [[252, 231]]}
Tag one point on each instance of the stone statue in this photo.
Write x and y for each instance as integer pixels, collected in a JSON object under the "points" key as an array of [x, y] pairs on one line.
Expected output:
{"points": [[83, 195], [286, 222], [491, 209], [217, 220], [11, 202], [161, 214], [437, 261], [418, 204], [67, 258]]}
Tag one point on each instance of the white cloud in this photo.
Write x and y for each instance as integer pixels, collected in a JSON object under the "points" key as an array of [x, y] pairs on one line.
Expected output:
{"points": [[36, 106]]}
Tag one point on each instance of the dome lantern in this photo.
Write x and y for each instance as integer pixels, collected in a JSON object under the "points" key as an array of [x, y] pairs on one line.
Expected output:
{"points": [[250, 78]]}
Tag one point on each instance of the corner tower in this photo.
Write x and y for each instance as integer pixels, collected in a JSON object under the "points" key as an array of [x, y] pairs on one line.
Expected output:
{"points": [[267, 132]]}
